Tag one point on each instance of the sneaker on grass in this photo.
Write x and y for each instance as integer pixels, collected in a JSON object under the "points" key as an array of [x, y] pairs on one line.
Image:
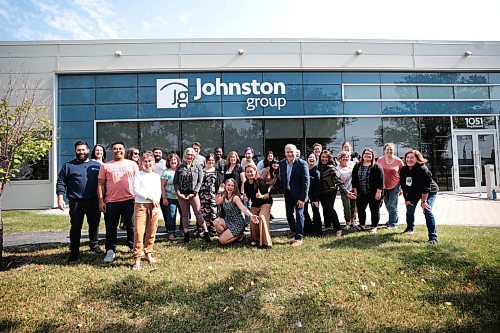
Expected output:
{"points": [[408, 232], [110, 255]]}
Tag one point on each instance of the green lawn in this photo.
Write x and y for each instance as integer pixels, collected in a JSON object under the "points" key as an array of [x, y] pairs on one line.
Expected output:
{"points": [[31, 220], [359, 283]]}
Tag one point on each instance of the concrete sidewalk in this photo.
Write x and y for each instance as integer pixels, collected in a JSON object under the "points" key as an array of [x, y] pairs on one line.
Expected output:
{"points": [[450, 209]]}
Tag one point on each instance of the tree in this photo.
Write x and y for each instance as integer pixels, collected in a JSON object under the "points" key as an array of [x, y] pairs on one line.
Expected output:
{"points": [[25, 131]]}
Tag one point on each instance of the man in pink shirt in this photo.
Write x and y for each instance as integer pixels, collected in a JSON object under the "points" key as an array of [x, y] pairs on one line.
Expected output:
{"points": [[116, 197]]}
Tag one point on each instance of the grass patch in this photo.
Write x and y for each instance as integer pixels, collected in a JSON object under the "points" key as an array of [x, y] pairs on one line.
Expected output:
{"points": [[31, 220], [359, 283]]}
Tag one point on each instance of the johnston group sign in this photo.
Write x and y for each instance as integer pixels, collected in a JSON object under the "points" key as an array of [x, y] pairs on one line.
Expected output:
{"points": [[173, 93]]}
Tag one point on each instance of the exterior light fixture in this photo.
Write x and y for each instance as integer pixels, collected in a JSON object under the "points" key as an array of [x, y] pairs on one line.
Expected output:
{"points": [[241, 51], [118, 53], [467, 53], [359, 52]]}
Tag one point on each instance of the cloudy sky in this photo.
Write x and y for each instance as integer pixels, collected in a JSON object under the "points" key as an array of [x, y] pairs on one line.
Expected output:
{"points": [[348, 19]]}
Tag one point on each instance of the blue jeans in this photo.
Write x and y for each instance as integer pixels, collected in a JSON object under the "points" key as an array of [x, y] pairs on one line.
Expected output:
{"points": [[296, 223], [429, 216], [170, 214], [391, 203]]}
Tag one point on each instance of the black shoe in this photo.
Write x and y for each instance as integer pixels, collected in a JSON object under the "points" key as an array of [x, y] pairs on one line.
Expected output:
{"points": [[206, 236], [73, 258], [97, 250], [264, 247], [186, 237]]}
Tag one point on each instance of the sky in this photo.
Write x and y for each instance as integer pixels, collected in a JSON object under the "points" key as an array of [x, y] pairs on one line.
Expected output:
{"points": [[33, 20]]}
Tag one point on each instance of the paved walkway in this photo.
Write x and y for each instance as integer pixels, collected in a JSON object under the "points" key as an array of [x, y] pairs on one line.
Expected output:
{"points": [[450, 209]]}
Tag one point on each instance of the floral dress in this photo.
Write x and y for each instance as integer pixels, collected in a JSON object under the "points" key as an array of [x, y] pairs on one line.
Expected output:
{"points": [[207, 196]]}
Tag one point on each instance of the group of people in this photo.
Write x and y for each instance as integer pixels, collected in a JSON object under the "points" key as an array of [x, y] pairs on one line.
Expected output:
{"points": [[227, 195]]}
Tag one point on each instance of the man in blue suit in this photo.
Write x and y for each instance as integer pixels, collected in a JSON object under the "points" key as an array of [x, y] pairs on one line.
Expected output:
{"points": [[295, 180]]}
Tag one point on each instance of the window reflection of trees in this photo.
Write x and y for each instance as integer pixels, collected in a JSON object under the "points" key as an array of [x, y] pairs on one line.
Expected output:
{"points": [[240, 133]]}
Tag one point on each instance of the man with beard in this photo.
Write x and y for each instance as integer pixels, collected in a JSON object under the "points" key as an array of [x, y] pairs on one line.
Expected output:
{"points": [[78, 181], [160, 163], [116, 197]]}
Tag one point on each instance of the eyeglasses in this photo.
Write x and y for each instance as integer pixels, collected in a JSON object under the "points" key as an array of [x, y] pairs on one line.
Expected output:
{"points": [[136, 153]]}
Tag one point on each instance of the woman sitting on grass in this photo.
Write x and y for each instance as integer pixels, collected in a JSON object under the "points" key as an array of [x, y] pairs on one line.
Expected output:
{"points": [[147, 191], [231, 227]]}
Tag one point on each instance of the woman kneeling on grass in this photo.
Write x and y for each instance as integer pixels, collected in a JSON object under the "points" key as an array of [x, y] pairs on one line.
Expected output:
{"points": [[231, 227], [417, 184], [147, 191]]}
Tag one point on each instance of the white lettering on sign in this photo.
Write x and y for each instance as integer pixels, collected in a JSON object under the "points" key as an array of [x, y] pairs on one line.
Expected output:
{"points": [[474, 122], [173, 93]]}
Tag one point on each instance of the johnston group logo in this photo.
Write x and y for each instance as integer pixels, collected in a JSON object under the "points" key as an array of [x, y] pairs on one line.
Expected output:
{"points": [[171, 93]]}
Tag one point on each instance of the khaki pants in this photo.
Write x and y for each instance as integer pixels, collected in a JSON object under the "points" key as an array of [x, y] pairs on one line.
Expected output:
{"points": [[260, 233], [146, 221]]}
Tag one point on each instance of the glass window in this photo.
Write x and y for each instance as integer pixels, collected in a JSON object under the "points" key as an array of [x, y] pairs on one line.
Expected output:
{"points": [[328, 132], [399, 92], [435, 92], [280, 132], [471, 92], [435, 135], [403, 132], [126, 132], [163, 134], [34, 170], [206, 132], [361, 92], [242, 133], [364, 133], [495, 92]]}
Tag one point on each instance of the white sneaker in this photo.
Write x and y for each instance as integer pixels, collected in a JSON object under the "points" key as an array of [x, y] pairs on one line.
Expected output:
{"points": [[338, 233], [373, 231], [110, 255]]}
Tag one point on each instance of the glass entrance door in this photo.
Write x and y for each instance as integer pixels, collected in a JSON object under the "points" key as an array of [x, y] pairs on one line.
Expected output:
{"points": [[473, 150]]}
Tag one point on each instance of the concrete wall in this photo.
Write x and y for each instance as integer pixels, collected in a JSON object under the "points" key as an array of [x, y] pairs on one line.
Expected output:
{"points": [[41, 61]]}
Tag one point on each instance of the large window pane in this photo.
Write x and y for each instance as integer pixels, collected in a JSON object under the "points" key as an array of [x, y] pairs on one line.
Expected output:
{"points": [[435, 134], [403, 132], [399, 92], [435, 92], [163, 134], [364, 133], [495, 92], [471, 92], [242, 133], [280, 132], [328, 132], [126, 132], [206, 132], [361, 92], [34, 170]]}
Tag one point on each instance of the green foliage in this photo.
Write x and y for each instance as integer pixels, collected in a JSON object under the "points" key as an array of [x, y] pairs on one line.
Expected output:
{"points": [[25, 133]]}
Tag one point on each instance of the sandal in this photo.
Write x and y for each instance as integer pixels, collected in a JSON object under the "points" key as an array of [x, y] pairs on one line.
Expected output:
{"points": [[151, 259]]}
